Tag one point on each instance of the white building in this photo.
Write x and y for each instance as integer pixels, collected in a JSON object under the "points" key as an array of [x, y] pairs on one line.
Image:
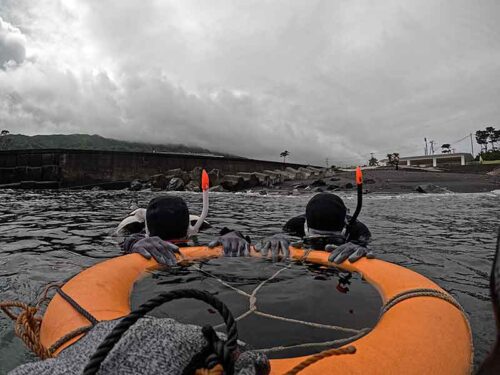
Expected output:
{"points": [[434, 160]]}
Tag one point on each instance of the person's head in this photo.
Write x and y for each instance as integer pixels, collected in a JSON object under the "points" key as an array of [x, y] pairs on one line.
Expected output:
{"points": [[326, 212], [167, 217]]}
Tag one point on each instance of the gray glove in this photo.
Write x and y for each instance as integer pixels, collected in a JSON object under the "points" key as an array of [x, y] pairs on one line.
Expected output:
{"points": [[349, 250], [234, 244], [277, 244], [162, 251]]}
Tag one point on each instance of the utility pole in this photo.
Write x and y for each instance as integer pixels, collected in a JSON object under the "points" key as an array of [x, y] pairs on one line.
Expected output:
{"points": [[426, 148], [472, 144], [432, 147], [326, 162]]}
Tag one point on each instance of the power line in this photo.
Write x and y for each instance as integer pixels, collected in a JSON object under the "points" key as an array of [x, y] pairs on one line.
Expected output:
{"points": [[461, 139]]}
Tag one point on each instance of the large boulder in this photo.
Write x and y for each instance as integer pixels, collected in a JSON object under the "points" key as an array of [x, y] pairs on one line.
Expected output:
{"points": [[179, 173], [433, 189], [305, 172], [135, 185], [265, 179], [159, 181], [232, 182], [176, 184], [193, 186], [215, 177], [287, 176], [195, 175], [250, 180], [316, 172], [255, 179], [329, 172], [296, 174], [318, 182], [276, 177]]}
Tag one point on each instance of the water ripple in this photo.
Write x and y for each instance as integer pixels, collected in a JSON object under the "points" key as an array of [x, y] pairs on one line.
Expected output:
{"points": [[49, 236]]}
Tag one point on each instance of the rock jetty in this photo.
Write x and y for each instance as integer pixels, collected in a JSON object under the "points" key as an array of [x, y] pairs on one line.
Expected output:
{"points": [[181, 180]]}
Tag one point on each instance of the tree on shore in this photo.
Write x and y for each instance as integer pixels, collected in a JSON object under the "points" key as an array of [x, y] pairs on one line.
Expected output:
{"points": [[482, 140], [5, 141], [446, 148], [393, 159], [493, 136], [373, 162], [488, 136], [284, 154]]}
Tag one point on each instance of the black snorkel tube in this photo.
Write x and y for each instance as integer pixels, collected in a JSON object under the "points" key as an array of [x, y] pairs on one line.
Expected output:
{"points": [[359, 185]]}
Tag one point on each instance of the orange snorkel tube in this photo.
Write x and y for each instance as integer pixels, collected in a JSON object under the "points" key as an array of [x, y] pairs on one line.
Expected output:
{"points": [[205, 184], [359, 185]]}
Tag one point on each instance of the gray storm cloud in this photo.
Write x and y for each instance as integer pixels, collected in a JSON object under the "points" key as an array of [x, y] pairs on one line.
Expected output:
{"points": [[12, 44], [323, 79]]}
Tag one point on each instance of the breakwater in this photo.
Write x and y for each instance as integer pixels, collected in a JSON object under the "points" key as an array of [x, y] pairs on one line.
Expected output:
{"points": [[56, 168]]}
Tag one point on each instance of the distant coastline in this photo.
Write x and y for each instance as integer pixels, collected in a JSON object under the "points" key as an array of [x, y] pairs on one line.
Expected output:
{"points": [[95, 142]]}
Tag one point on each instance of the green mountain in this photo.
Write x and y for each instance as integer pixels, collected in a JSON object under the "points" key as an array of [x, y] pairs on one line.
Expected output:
{"points": [[91, 142]]}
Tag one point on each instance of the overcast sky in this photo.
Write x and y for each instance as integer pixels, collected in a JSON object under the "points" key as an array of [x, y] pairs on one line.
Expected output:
{"points": [[333, 79]]}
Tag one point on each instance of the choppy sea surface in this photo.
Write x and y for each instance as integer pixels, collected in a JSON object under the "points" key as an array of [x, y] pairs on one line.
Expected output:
{"points": [[48, 236]]}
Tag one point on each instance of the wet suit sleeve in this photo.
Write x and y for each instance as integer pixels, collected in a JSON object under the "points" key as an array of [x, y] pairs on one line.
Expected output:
{"points": [[130, 241], [359, 234]]}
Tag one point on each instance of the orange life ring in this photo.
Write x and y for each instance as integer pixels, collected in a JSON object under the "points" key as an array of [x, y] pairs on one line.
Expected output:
{"points": [[419, 335]]}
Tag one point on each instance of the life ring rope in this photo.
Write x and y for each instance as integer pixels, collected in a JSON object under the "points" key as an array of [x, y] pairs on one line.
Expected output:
{"points": [[394, 283], [420, 292]]}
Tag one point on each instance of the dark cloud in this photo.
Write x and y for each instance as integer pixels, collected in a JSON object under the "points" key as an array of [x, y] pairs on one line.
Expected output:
{"points": [[12, 44], [323, 79]]}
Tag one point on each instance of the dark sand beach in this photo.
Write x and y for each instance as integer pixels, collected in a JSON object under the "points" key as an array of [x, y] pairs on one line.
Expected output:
{"points": [[405, 180]]}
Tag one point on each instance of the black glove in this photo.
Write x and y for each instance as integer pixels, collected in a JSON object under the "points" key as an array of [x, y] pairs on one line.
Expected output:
{"points": [[234, 244], [278, 244], [350, 251], [162, 251]]}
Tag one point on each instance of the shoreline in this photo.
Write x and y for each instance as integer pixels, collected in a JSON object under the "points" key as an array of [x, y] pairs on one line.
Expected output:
{"points": [[381, 180], [390, 181]]}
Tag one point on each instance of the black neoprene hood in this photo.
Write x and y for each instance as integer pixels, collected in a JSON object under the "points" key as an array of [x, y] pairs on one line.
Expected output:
{"points": [[326, 211], [167, 217]]}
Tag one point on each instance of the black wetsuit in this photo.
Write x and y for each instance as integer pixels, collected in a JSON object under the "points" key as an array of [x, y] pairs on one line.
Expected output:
{"points": [[358, 232]]}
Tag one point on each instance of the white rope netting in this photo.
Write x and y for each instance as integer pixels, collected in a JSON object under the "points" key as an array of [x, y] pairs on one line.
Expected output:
{"points": [[252, 309]]}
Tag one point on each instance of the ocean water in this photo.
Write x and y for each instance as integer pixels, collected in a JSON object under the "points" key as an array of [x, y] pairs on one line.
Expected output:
{"points": [[48, 236]]}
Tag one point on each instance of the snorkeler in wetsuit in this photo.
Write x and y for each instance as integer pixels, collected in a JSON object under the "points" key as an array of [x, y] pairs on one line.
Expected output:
{"points": [[154, 345], [324, 226], [165, 225]]}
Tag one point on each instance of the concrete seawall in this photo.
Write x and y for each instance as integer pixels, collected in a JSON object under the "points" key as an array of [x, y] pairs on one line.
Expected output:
{"points": [[67, 168]]}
